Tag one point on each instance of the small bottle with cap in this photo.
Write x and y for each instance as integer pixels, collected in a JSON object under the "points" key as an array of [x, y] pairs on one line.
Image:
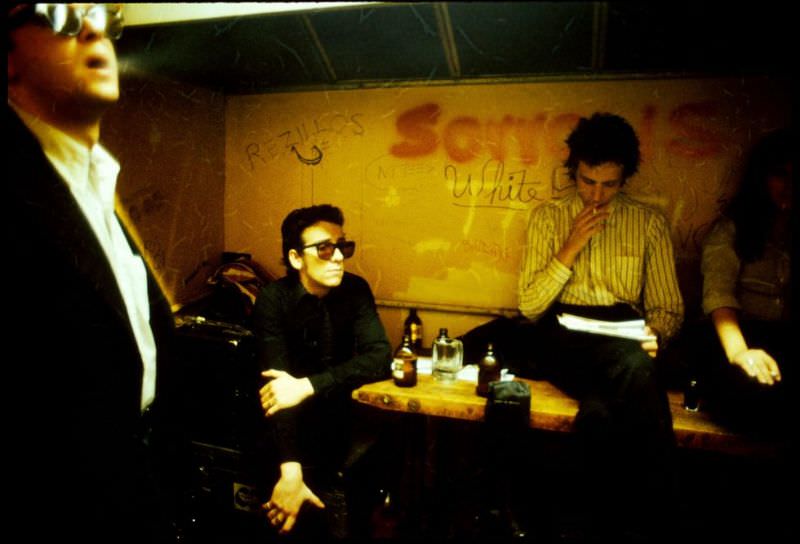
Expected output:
{"points": [[404, 365], [412, 326], [488, 371]]}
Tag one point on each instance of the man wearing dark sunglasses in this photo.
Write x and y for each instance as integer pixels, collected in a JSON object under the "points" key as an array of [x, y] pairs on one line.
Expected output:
{"points": [[62, 68], [319, 337], [91, 320]]}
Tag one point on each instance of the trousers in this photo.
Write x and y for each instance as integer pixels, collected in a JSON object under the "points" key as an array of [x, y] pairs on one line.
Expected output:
{"points": [[623, 425]]}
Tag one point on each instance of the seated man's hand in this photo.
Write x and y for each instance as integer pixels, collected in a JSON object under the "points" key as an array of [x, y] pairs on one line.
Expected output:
{"points": [[288, 497], [651, 346], [758, 364], [283, 391]]}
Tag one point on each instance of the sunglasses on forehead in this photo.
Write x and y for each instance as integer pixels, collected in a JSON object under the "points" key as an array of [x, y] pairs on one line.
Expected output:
{"points": [[68, 20], [326, 249]]}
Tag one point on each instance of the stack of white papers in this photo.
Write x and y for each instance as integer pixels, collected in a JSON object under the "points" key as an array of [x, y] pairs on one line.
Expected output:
{"points": [[470, 374], [633, 329]]}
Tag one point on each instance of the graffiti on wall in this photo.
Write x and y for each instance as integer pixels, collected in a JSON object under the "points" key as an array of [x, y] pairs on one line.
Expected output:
{"points": [[525, 154]]}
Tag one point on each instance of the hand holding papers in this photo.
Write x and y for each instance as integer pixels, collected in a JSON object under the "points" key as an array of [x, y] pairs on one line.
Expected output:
{"points": [[633, 329]]}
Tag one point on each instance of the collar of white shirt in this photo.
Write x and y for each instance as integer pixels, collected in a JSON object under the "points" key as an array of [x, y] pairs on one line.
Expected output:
{"points": [[84, 169]]}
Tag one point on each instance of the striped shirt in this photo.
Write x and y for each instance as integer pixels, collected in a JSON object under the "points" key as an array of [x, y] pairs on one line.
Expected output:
{"points": [[630, 261]]}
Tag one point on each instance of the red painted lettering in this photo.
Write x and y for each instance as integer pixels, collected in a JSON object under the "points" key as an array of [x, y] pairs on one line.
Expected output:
{"points": [[461, 139], [414, 125], [694, 138], [529, 138], [496, 134]]}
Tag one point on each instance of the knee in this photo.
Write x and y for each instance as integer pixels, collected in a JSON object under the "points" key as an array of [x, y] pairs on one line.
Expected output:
{"points": [[636, 371], [594, 417]]}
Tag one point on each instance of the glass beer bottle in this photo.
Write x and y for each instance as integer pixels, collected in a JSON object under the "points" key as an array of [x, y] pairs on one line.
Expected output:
{"points": [[404, 365], [413, 327], [488, 371]]}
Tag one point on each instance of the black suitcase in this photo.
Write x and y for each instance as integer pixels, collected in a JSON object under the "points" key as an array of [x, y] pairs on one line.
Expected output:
{"points": [[224, 426], [219, 381]]}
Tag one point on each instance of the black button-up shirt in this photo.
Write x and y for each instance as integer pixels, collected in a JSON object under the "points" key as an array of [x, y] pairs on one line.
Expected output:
{"points": [[336, 341]]}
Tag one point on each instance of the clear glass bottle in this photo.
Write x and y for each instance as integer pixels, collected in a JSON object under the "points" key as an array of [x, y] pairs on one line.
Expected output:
{"points": [[448, 357], [404, 365], [488, 371], [413, 327]]}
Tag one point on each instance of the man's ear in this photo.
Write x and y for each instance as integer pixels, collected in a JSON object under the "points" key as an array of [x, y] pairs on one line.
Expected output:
{"points": [[295, 260]]}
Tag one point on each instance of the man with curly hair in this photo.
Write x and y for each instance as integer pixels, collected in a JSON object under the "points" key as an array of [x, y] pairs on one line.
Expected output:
{"points": [[600, 254]]}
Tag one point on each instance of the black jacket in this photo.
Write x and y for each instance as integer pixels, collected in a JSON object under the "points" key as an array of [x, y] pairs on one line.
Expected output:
{"points": [[76, 377]]}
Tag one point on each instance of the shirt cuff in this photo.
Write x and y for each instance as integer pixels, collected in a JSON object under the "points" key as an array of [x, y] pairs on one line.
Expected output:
{"points": [[712, 302], [321, 382], [558, 271]]}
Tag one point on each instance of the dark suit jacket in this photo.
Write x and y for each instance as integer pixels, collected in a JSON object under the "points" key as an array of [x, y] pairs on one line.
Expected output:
{"points": [[75, 373]]}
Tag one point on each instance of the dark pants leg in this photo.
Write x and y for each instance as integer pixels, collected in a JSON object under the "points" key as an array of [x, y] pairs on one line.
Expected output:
{"points": [[624, 425]]}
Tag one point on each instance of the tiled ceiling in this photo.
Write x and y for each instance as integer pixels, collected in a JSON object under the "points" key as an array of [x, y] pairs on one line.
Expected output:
{"points": [[426, 42]]}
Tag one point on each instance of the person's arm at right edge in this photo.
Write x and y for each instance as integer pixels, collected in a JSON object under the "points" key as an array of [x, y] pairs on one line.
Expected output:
{"points": [[755, 362], [720, 267]]}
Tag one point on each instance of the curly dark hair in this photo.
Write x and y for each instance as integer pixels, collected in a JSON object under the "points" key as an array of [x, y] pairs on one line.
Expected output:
{"points": [[604, 137], [299, 220], [752, 210]]}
